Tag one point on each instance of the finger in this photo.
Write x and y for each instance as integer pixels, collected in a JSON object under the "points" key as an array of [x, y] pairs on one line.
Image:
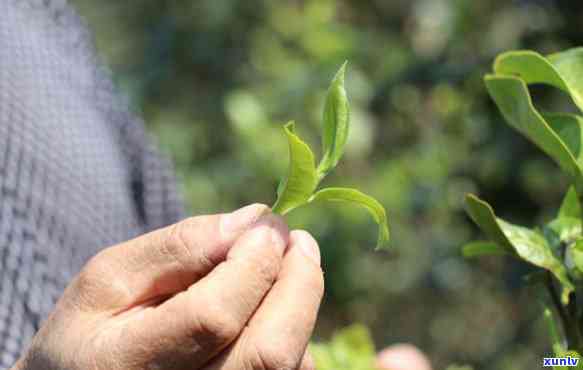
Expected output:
{"points": [[189, 329], [160, 263], [402, 357], [278, 333]]}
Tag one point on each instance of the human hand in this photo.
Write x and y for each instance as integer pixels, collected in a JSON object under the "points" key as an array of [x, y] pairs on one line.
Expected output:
{"points": [[220, 292], [402, 357]]}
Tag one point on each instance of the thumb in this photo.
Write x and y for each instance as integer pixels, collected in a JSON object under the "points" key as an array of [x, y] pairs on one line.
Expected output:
{"points": [[402, 357], [160, 263]]}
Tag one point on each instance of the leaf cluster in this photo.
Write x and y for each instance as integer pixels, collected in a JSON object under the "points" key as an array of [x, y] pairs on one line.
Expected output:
{"points": [[300, 186], [556, 248]]}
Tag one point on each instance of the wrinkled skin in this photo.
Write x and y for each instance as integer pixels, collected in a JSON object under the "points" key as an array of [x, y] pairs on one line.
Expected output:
{"points": [[228, 291], [220, 292]]}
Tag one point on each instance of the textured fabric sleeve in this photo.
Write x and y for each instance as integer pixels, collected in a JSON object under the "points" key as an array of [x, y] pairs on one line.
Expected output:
{"points": [[77, 171]]}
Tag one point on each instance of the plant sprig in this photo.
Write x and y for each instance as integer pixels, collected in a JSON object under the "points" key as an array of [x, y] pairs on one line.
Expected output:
{"points": [[558, 246], [300, 185]]}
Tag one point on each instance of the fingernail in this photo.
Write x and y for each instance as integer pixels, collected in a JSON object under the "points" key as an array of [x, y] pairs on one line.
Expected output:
{"points": [[308, 245], [235, 223], [277, 231]]}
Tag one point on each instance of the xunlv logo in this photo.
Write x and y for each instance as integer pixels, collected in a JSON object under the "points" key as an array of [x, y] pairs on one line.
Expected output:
{"points": [[560, 361]]}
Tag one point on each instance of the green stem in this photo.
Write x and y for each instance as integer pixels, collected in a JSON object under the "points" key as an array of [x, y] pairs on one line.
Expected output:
{"points": [[568, 316]]}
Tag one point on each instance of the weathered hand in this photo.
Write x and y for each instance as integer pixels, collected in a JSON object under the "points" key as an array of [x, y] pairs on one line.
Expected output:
{"points": [[229, 291]]}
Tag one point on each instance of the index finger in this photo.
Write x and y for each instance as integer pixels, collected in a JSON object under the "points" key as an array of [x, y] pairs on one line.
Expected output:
{"points": [[161, 263]]}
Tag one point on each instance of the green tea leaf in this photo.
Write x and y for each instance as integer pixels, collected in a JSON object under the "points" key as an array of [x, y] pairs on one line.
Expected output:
{"points": [[483, 215], [569, 64], [352, 195], [528, 244], [531, 67], [562, 230], [561, 70], [574, 259], [513, 99], [569, 128], [483, 248], [570, 206], [301, 179], [336, 124]]}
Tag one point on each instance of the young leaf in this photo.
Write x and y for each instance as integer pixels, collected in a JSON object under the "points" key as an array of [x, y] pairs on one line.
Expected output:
{"points": [[561, 70], [570, 206], [529, 245], [574, 259], [301, 180], [569, 63], [483, 215], [372, 206], [483, 248], [336, 124], [530, 66], [512, 98], [562, 230], [569, 128]]}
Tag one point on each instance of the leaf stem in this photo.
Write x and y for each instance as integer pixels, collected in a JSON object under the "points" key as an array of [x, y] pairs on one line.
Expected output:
{"points": [[567, 315]]}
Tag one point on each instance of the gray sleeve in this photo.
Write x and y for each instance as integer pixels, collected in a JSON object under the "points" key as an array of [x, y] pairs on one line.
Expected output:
{"points": [[77, 170]]}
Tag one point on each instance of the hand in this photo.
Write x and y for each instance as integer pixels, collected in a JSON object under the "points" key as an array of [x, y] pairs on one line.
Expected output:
{"points": [[230, 291], [402, 357]]}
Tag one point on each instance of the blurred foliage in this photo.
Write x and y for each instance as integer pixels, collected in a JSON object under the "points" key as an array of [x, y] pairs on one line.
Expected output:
{"points": [[216, 79], [351, 348]]}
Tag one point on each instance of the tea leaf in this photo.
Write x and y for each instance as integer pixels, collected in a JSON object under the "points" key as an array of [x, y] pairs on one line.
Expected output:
{"points": [[301, 180], [513, 99], [483, 248], [528, 244], [483, 215], [372, 205], [569, 63], [569, 127], [561, 70], [570, 206], [562, 230], [530, 66], [574, 259], [336, 124]]}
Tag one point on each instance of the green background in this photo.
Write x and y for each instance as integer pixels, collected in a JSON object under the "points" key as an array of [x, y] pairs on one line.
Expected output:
{"points": [[216, 79]]}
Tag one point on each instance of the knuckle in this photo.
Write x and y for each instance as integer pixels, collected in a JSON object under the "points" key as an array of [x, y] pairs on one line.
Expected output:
{"points": [[265, 269], [91, 275], [216, 328], [98, 277], [274, 356], [179, 243]]}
